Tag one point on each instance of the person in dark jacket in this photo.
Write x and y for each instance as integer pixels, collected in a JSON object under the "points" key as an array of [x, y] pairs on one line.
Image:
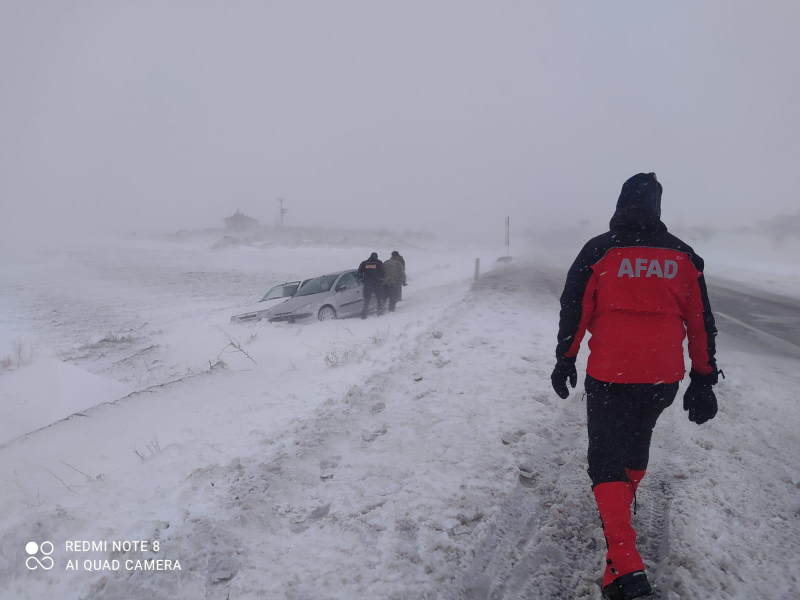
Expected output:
{"points": [[393, 279], [370, 274], [398, 256], [639, 291]]}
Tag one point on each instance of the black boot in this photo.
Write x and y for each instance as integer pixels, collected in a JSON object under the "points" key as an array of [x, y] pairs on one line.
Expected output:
{"points": [[630, 586]]}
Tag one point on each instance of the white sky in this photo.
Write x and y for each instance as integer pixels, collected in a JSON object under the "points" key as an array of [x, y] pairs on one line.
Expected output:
{"points": [[426, 114]]}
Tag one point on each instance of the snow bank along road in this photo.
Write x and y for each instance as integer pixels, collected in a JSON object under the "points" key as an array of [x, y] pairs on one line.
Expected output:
{"points": [[397, 473]]}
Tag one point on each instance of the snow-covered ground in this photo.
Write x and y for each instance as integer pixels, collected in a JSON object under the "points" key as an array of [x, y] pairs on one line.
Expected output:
{"points": [[144, 312], [365, 459]]}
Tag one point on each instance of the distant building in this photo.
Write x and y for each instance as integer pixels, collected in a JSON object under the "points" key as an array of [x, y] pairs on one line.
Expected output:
{"points": [[239, 221]]}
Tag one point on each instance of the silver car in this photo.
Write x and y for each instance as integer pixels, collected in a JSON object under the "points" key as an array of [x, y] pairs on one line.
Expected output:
{"points": [[333, 296]]}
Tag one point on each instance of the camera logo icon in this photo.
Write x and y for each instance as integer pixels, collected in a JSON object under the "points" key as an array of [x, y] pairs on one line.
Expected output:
{"points": [[33, 562]]}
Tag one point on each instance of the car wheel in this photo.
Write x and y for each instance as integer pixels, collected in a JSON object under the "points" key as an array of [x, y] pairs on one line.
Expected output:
{"points": [[326, 313]]}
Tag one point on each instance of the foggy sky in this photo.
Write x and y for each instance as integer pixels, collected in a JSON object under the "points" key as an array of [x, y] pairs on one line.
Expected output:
{"points": [[432, 114]]}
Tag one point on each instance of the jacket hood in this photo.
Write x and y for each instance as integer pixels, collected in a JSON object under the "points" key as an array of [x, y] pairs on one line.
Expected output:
{"points": [[639, 204], [373, 256]]}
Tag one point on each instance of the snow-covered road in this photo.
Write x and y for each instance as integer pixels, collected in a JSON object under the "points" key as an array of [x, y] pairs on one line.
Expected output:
{"points": [[397, 475], [766, 321]]}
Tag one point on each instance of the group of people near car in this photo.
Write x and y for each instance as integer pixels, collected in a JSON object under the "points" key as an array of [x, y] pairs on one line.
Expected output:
{"points": [[384, 280]]}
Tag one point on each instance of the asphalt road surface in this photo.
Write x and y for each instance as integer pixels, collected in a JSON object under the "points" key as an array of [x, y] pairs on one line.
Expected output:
{"points": [[770, 321]]}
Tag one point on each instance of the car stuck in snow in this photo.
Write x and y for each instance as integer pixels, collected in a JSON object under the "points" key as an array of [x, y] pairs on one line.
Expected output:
{"points": [[333, 296]]}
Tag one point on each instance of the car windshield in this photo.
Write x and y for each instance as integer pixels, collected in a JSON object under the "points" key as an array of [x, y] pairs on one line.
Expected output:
{"points": [[286, 290], [318, 285]]}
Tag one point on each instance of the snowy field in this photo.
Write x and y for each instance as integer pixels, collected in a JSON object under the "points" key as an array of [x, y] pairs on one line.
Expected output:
{"points": [[142, 313], [355, 459]]}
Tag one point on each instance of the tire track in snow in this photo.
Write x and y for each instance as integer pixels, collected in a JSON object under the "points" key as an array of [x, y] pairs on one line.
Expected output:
{"points": [[493, 565], [543, 543], [553, 549], [655, 496], [653, 524]]}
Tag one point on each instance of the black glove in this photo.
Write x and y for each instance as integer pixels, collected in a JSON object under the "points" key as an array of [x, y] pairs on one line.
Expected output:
{"points": [[699, 398], [565, 369]]}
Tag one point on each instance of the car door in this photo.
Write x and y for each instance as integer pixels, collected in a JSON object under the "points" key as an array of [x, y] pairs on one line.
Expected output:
{"points": [[349, 295]]}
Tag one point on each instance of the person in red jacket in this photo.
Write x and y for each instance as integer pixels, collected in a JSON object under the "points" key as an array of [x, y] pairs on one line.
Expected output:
{"points": [[639, 291]]}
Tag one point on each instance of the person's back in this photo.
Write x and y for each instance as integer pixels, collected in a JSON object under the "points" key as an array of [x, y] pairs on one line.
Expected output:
{"points": [[393, 279], [394, 272], [639, 291], [396, 255], [370, 273]]}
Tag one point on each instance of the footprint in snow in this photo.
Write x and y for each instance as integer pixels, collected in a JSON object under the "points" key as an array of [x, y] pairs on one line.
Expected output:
{"points": [[528, 470], [327, 467], [510, 437], [222, 568], [369, 436], [320, 512]]}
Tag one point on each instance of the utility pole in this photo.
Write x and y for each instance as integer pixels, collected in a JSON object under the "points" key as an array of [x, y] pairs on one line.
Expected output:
{"points": [[508, 236], [281, 212]]}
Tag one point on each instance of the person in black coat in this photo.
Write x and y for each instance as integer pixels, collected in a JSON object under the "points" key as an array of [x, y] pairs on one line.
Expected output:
{"points": [[639, 291], [370, 274]]}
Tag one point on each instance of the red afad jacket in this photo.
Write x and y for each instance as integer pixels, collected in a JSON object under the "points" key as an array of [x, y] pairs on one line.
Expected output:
{"points": [[639, 291]]}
